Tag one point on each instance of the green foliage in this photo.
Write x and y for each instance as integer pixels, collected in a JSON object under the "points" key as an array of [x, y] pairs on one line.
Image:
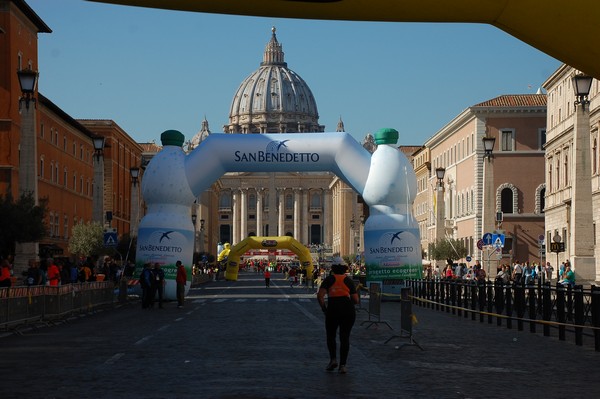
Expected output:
{"points": [[447, 249], [22, 221], [87, 239]]}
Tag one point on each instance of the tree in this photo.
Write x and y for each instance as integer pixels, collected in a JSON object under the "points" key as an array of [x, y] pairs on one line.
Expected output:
{"points": [[447, 249], [87, 239], [22, 221]]}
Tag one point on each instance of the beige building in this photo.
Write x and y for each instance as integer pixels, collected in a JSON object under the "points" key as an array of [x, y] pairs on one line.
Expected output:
{"points": [[572, 198], [513, 178]]}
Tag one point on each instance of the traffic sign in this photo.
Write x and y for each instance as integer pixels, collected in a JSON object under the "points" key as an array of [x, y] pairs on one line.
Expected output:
{"points": [[468, 258], [487, 239], [110, 238], [541, 238], [498, 240], [480, 244]]}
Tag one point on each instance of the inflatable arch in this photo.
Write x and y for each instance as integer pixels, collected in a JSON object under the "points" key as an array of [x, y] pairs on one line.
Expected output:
{"points": [[173, 180], [284, 242]]}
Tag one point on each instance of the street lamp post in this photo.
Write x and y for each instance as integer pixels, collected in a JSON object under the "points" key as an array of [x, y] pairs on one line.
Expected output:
{"points": [[440, 212], [135, 201], [202, 222], [581, 227], [28, 177], [489, 200], [194, 219], [98, 199]]}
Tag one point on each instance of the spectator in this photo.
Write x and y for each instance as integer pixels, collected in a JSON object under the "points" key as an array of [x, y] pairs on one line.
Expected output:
{"points": [[5, 277], [503, 276], [180, 280], [146, 285], [158, 280], [517, 273], [65, 272], [53, 273], [549, 271], [569, 277], [34, 275]]}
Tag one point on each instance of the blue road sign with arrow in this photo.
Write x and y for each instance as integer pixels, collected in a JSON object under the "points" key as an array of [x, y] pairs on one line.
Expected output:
{"points": [[487, 239]]}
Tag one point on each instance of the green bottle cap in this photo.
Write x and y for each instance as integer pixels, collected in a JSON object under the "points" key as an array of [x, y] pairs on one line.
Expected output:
{"points": [[172, 137], [386, 136]]}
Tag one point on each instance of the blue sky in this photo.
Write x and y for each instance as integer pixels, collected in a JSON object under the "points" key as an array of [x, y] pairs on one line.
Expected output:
{"points": [[152, 70]]}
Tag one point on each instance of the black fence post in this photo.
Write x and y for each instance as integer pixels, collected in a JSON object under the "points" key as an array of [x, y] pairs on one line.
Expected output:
{"points": [[596, 316], [438, 296], [569, 303], [532, 310], [481, 289], [453, 296], [499, 300], [490, 300], [509, 305], [560, 310], [547, 307], [459, 301], [579, 316], [473, 287]]}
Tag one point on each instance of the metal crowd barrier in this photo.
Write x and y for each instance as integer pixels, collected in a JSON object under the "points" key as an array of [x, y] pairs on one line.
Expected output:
{"points": [[26, 305]]}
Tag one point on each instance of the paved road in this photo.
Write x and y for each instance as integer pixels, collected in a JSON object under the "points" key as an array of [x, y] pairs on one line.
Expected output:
{"points": [[242, 340]]}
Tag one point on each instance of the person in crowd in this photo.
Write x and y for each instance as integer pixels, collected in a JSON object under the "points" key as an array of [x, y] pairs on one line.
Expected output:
{"points": [[34, 276], [480, 274], [503, 275], [448, 273], [339, 312], [5, 277], [292, 276], [65, 272], [569, 277], [549, 271], [180, 280], [267, 277], [517, 274], [146, 284], [53, 273], [528, 273], [158, 286]]}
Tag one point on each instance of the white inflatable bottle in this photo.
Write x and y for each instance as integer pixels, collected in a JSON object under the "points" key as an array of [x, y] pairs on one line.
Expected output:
{"points": [[166, 233], [391, 233]]}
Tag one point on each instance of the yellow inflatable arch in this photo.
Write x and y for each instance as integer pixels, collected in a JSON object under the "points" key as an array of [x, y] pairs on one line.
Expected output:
{"points": [[285, 242]]}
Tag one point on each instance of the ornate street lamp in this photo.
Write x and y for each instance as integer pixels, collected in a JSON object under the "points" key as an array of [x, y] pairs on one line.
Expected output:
{"points": [[440, 173], [98, 146], [135, 174], [28, 81], [582, 85], [488, 146]]}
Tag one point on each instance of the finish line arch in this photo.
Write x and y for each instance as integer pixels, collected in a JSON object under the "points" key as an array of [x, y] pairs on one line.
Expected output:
{"points": [[283, 242], [386, 180]]}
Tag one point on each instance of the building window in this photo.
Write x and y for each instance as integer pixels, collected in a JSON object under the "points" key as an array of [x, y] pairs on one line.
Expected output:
{"points": [[557, 173], [65, 143], [315, 200], [66, 227], [289, 202], [542, 138], [42, 167], [507, 140], [252, 202], [566, 170], [595, 157], [507, 198], [507, 201], [42, 130], [225, 200], [65, 178]]}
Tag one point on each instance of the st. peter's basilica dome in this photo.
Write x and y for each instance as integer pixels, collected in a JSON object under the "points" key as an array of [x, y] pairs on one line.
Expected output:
{"points": [[273, 99]]}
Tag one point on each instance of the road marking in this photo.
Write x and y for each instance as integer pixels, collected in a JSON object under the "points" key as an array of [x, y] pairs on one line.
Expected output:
{"points": [[163, 327], [179, 318], [114, 358], [241, 300], [141, 341]]}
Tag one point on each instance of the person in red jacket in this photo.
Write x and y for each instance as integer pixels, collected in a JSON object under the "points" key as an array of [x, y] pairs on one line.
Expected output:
{"points": [[53, 273], [267, 277], [180, 280], [5, 278]]}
